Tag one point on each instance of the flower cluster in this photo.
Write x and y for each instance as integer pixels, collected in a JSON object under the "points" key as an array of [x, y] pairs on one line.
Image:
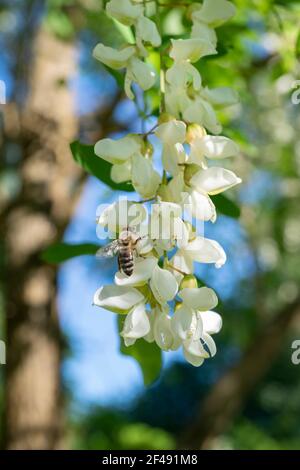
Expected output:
{"points": [[161, 300], [131, 57]]}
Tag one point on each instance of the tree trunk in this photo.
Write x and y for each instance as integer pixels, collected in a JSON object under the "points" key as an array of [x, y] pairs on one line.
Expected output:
{"points": [[230, 393], [42, 131]]}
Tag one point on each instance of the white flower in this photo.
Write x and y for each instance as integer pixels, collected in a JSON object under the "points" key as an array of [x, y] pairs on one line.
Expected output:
{"points": [[122, 214], [190, 49], [174, 189], [120, 150], [214, 180], [167, 225], [192, 324], [177, 99], [163, 285], [203, 31], [121, 173], [201, 298], [211, 146], [187, 322], [201, 112], [193, 350], [206, 182], [181, 74], [113, 58], [139, 72], [162, 331], [172, 134], [215, 13], [144, 178], [146, 32], [119, 299], [200, 250], [143, 269], [136, 325], [124, 11], [200, 206]]}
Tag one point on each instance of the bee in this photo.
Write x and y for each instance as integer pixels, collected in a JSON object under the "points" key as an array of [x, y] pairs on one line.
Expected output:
{"points": [[124, 248]]}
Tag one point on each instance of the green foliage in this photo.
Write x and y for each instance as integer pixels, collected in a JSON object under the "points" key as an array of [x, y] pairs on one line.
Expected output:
{"points": [[148, 356], [85, 156], [226, 206], [110, 429], [60, 252]]}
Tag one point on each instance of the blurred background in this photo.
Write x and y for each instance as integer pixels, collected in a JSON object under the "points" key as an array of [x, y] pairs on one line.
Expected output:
{"points": [[65, 383]]}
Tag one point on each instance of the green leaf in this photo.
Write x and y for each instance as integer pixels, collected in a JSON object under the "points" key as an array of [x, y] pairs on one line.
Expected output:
{"points": [[85, 156], [60, 252], [148, 356], [226, 206]]}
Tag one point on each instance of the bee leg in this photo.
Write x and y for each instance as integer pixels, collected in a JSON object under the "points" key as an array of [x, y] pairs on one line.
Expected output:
{"points": [[119, 264]]}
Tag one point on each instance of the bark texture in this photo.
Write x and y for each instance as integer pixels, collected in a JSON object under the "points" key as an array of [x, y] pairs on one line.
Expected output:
{"points": [[40, 133]]}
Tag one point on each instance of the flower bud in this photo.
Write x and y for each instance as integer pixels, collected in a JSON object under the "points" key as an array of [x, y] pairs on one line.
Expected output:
{"points": [[194, 131], [189, 282]]}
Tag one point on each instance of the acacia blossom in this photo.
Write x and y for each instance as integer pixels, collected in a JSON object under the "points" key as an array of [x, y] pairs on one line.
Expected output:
{"points": [[161, 301]]}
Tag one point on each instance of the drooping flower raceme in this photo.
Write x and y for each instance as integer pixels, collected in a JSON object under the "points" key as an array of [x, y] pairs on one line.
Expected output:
{"points": [[161, 301]]}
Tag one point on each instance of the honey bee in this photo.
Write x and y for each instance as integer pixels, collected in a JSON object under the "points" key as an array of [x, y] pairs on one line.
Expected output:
{"points": [[124, 247]]}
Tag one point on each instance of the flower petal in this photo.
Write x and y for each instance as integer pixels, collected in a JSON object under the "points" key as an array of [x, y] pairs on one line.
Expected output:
{"points": [[204, 250], [163, 332], [214, 180], [163, 285], [190, 49], [201, 298], [121, 173], [112, 57], [213, 146], [181, 322], [117, 298], [203, 31], [122, 214], [136, 324], [142, 73], [147, 31], [215, 13], [172, 156], [118, 151], [200, 206], [144, 178], [142, 272], [194, 352], [124, 11], [182, 262], [209, 342], [171, 132], [212, 322]]}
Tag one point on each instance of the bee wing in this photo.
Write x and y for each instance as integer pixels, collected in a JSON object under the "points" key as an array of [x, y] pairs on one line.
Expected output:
{"points": [[109, 250]]}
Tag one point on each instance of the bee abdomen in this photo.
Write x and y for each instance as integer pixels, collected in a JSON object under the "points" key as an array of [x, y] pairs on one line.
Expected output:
{"points": [[126, 263]]}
